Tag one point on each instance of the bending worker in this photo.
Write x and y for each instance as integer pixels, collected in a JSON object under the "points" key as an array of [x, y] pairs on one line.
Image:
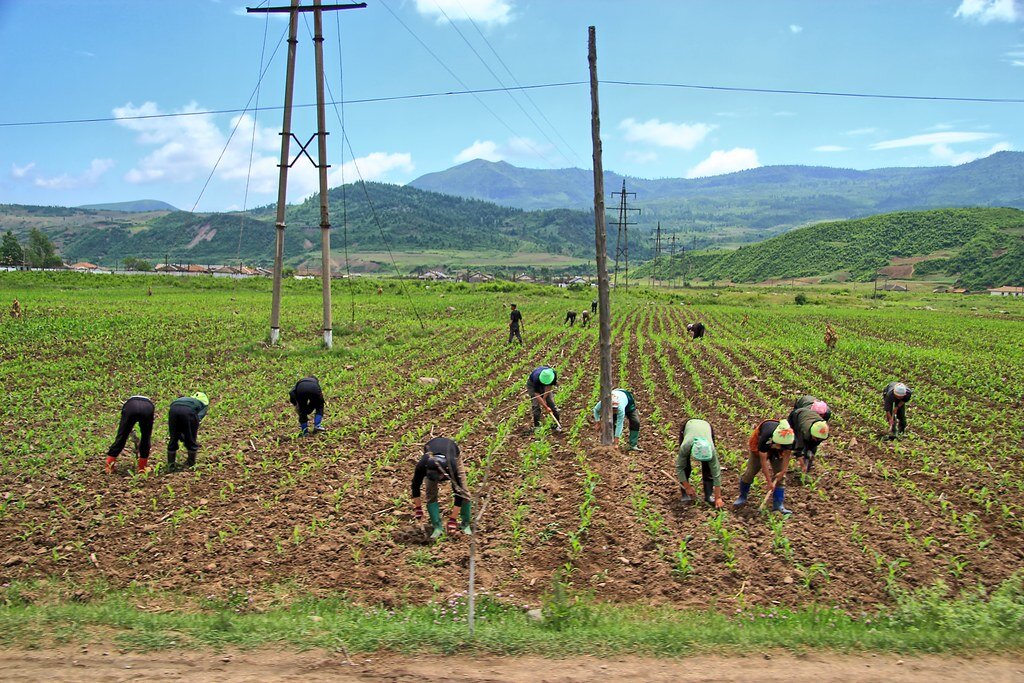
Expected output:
{"points": [[808, 401], [308, 397], [770, 445], [570, 317], [585, 319], [697, 441], [623, 409], [441, 462], [183, 420], [137, 410], [696, 329], [541, 387], [894, 400], [810, 430]]}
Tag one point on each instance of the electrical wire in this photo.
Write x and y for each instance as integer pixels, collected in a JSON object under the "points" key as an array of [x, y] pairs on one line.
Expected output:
{"points": [[252, 149]]}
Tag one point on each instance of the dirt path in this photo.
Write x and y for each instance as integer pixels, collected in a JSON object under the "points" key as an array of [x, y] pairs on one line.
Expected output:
{"points": [[266, 666]]}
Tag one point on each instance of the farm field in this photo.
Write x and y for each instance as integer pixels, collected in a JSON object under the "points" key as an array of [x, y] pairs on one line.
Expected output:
{"points": [[267, 512]]}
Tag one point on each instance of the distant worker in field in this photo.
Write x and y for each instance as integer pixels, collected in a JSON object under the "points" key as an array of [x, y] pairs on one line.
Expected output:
{"points": [[830, 336], [623, 410], [810, 429], [570, 317], [15, 309], [541, 387], [697, 442], [183, 420], [585, 319], [770, 445], [308, 397], [894, 400], [593, 307], [696, 329], [441, 462], [137, 410], [515, 322]]}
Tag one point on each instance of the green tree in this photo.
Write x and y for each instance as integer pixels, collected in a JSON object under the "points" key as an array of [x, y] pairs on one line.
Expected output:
{"points": [[132, 263], [11, 253], [40, 252]]}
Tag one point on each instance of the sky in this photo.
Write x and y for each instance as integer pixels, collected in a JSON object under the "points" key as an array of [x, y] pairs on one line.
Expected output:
{"points": [[106, 100]]}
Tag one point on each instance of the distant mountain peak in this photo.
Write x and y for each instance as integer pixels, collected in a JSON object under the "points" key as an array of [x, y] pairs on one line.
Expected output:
{"points": [[137, 206]]}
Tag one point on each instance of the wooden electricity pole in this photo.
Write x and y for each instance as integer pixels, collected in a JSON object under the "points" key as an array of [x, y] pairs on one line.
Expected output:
{"points": [[321, 163], [604, 305]]}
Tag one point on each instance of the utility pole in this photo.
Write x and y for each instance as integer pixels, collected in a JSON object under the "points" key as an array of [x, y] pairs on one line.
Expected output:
{"points": [[672, 259], [622, 241], [656, 269], [603, 303], [321, 164]]}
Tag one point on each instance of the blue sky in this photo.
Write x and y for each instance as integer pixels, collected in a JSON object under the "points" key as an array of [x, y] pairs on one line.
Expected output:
{"points": [[116, 60]]}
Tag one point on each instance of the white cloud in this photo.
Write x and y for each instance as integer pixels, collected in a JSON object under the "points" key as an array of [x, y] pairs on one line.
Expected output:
{"points": [[944, 138], [514, 149], [676, 135], [86, 178], [486, 11], [784, 113], [480, 149], [945, 154], [1017, 62], [862, 131], [986, 11], [794, 28], [373, 166], [20, 172], [641, 157], [831, 148], [722, 161]]}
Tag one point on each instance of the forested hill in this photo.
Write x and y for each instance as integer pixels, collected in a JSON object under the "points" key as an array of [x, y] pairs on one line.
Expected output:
{"points": [[766, 200], [980, 247], [377, 215]]}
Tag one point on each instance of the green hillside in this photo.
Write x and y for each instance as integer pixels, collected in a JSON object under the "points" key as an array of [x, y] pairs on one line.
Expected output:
{"points": [[137, 206], [978, 246]]}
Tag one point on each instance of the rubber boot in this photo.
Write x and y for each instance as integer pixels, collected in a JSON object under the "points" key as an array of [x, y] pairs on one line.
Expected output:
{"points": [[634, 440], [778, 496], [687, 498], [190, 461], [111, 461], [744, 492], [317, 427], [709, 489], [171, 464], [434, 512], [303, 429], [465, 514], [143, 462]]}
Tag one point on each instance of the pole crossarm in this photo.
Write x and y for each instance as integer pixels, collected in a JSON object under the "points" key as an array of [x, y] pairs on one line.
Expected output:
{"points": [[303, 150], [302, 8]]}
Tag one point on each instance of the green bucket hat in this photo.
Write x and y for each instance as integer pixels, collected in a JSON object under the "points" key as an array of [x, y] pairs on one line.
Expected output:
{"points": [[201, 397], [701, 450], [547, 376]]}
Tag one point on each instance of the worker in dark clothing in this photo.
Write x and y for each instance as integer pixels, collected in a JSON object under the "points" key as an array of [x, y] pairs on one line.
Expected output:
{"points": [[818, 406], [810, 430], [697, 441], [440, 462], [541, 387], [623, 410], [585, 319], [894, 400], [515, 321], [593, 307], [183, 420], [770, 446], [307, 397], [570, 318], [137, 410], [696, 329]]}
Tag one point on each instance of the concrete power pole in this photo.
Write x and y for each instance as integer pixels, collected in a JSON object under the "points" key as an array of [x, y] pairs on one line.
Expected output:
{"points": [[656, 268], [286, 136], [604, 305]]}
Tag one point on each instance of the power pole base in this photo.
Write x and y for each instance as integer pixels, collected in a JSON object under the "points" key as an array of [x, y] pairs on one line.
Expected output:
{"points": [[328, 338], [275, 335]]}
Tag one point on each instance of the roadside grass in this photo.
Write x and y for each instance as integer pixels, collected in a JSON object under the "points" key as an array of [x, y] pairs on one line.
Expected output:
{"points": [[36, 615]]}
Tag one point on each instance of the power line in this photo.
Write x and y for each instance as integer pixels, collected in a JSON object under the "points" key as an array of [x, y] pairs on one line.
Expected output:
{"points": [[538, 86]]}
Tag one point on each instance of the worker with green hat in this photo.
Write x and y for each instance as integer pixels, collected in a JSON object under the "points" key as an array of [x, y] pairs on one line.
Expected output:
{"points": [[623, 410], [810, 429], [441, 462], [541, 387], [770, 445], [183, 420], [697, 441]]}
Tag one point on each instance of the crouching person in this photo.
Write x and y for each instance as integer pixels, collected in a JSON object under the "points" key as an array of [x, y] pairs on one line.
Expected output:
{"points": [[697, 441], [308, 397], [441, 462], [183, 420], [771, 446]]}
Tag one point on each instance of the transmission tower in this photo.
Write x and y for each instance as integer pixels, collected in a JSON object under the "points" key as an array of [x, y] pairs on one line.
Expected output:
{"points": [[622, 241]]}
